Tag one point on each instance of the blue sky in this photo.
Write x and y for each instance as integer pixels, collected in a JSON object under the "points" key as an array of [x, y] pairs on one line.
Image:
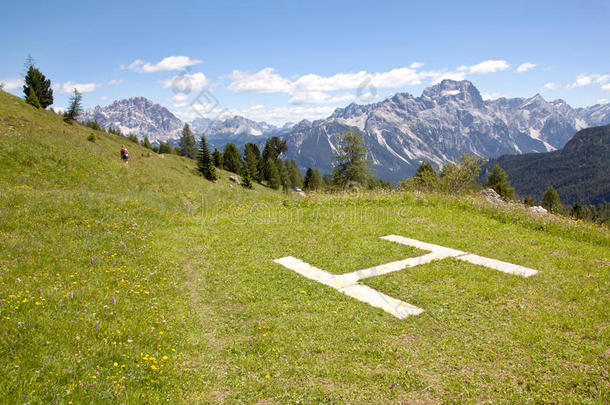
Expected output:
{"points": [[283, 60]]}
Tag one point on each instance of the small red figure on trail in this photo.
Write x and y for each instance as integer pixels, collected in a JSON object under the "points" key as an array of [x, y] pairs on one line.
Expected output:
{"points": [[124, 154]]}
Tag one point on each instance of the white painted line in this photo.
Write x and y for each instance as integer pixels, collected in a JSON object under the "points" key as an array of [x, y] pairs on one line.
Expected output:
{"points": [[348, 283], [465, 256], [373, 297], [306, 270], [499, 265], [448, 252], [350, 287]]}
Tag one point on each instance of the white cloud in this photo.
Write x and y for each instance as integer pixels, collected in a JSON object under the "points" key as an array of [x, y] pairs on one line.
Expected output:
{"points": [[606, 87], [602, 101], [416, 65], [185, 83], [550, 86], [169, 63], [274, 115], [263, 81], [488, 66], [180, 97], [342, 97], [524, 67], [12, 84], [586, 79], [492, 96], [439, 76], [68, 87]]}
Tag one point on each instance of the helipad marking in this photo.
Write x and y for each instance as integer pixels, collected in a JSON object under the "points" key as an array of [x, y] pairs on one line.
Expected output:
{"points": [[348, 283]]}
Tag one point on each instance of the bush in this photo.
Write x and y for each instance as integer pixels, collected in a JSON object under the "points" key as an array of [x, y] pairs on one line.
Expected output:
{"points": [[91, 137]]}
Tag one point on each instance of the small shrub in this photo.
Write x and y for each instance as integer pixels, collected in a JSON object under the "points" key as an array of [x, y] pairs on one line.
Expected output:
{"points": [[91, 137]]}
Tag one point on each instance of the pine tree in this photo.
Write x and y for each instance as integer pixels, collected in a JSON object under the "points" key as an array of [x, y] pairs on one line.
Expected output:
{"points": [[246, 181], [217, 158], [252, 156], [284, 177], [278, 145], [146, 143], [166, 147], [312, 180], [498, 181], [272, 174], [296, 180], [75, 109], [232, 159], [31, 99], [36, 81], [426, 178], [551, 201], [188, 145], [352, 166], [204, 161]]}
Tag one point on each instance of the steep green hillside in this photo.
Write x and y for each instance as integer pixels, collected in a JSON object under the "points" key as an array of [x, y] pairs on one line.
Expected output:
{"points": [[579, 172], [147, 284]]}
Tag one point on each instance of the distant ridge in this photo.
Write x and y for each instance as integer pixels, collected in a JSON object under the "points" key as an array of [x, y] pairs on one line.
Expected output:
{"points": [[580, 172], [448, 119]]}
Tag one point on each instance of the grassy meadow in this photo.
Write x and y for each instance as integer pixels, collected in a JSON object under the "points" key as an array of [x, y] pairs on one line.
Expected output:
{"points": [[146, 284]]}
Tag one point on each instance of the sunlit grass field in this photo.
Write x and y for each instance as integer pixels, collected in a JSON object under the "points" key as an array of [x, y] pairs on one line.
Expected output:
{"points": [[148, 284]]}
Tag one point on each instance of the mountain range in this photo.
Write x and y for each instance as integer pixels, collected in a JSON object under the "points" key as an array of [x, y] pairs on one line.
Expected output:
{"points": [[448, 119], [580, 171], [141, 117]]}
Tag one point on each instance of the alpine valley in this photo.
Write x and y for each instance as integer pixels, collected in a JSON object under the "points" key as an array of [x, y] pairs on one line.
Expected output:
{"points": [[448, 119]]}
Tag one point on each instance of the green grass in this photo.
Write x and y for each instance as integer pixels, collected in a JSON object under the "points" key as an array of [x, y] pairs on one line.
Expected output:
{"points": [[103, 264]]}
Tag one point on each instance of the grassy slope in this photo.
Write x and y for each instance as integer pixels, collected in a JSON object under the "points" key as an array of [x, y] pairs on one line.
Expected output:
{"points": [[189, 265]]}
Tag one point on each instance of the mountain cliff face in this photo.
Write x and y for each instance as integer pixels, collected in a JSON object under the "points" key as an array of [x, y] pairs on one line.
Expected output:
{"points": [[141, 117], [138, 116], [579, 172], [238, 130], [448, 119]]}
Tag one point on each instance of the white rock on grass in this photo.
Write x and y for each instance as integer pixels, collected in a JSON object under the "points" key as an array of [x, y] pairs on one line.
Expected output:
{"points": [[537, 210], [234, 180]]}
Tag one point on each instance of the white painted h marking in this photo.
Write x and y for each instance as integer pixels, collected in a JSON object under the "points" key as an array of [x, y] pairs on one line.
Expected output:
{"points": [[348, 283]]}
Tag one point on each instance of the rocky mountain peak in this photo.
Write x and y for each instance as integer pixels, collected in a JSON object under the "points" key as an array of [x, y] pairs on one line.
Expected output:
{"points": [[463, 92]]}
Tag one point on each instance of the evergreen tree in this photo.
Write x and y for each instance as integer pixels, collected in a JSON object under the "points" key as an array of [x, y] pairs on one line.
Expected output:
{"points": [[352, 166], [31, 99], [312, 180], [204, 161], [252, 156], [272, 174], [528, 201], [166, 147], [578, 211], [284, 177], [217, 158], [231, 157], [188, 145], [40, 85], [146, 143], [551, 201], [294, 174], [246, 181], [426, 178], [278, 145], [498, 181], [75, 109], [94, 125]]}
